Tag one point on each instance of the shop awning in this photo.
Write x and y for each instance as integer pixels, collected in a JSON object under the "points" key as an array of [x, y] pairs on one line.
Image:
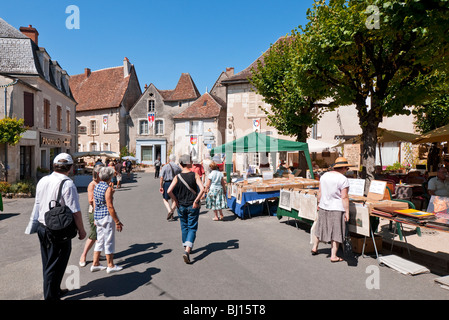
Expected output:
{"points": [[440, 134], [384, 135], [107, 154], [259, 142]]}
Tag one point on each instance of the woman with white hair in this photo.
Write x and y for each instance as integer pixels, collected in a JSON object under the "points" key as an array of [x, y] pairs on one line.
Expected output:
{"points": [[106, 220], [90, 213]]}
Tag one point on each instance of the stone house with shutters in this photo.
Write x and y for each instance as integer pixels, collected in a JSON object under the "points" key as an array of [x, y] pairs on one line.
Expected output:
{"points": [[150, 122], [202, 126], [104, 99], [36, 88]]}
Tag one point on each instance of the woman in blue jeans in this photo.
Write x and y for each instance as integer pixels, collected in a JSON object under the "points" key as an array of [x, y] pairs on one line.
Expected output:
{"points": [[186, 191]]}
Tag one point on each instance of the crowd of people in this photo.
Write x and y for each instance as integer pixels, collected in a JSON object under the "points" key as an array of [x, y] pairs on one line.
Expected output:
{"points": [[186, 185]]}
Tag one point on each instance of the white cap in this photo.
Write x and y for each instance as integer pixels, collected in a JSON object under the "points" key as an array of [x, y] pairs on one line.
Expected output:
{"points": [[59, 159]]}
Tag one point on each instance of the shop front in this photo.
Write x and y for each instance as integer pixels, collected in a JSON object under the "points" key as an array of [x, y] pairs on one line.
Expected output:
{"points": [[147, 151], [51, 145]]}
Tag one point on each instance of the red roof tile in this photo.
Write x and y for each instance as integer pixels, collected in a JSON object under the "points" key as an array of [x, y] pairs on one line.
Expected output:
{"points": [[205, 107], [102, 89], [185, 90]]}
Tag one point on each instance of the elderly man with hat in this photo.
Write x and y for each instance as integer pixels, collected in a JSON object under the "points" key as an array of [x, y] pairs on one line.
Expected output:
{"points": [[333, 203], [55, 256]]}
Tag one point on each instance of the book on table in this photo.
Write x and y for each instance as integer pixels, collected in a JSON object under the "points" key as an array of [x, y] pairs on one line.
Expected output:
{"points": [[418, 214]]}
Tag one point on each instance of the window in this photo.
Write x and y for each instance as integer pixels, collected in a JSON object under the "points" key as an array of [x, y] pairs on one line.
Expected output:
{"points": [[28, 109], [159, 127], [59, 118], [147, 153], [46, 114], [106, 146], [194, 127], [150, 105], [143, 126], [93, 127], [93, 146], [67, 119]]}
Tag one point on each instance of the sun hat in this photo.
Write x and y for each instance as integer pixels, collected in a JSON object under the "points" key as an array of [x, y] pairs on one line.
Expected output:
{"points": [[341, 162], [63, 158]]}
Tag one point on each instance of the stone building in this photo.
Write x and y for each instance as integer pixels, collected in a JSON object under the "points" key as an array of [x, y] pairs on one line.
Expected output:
{"points": [[104, 99], [202, 126], [150, 122], [35, 88]]}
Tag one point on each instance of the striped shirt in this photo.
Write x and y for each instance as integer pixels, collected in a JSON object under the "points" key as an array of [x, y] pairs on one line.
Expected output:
{"points": [[101, 209]]}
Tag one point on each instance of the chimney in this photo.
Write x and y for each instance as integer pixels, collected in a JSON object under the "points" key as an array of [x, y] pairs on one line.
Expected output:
{"points": [[230, 71], [87, 72], [126, 67], [30, 32]]}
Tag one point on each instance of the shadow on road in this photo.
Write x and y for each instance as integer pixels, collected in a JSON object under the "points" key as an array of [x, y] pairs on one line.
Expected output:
{"points": [[213, 247], [122, 283]]}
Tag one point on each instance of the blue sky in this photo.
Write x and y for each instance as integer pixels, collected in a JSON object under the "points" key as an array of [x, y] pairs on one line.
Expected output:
{"points": [[161, 38]]}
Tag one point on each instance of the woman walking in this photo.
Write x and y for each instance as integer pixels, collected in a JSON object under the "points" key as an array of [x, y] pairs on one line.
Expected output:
{"points": [[90, 214], [333, 205], [106, 221], [186, 191], [215, 189]]}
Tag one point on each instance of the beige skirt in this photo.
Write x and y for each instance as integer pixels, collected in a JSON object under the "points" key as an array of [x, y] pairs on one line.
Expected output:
{"points": [[330, 226]]}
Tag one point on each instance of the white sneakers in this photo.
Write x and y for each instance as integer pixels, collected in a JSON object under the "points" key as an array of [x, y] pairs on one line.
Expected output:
{"points": [[97, 268], [115, 268]]}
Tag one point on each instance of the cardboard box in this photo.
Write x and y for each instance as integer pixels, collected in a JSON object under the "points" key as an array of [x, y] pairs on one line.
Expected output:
{"points": [[357, 244]]}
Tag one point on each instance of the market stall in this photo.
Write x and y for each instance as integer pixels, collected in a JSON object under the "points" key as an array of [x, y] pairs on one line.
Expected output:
{"points": [[265, 188], [259, 142], [242, 195], [83, 177]]}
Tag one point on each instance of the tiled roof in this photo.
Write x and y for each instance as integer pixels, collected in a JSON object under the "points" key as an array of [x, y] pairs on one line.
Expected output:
{"points": [[19, 56], [205, 107], [102, 89], [185, 90]]}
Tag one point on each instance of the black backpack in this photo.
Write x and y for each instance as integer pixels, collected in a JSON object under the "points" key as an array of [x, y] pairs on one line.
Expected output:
{"points": [[59, 220]]}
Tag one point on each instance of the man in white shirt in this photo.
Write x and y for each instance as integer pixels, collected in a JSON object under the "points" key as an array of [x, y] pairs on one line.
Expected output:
{"points": [[55, 256], [439, 185]]}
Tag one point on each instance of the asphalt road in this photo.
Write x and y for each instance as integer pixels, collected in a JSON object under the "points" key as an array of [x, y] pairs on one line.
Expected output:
{"points": [[261, 258]]}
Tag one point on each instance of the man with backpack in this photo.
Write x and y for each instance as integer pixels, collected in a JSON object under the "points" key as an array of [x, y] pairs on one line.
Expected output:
{"points": [[55, 252]]}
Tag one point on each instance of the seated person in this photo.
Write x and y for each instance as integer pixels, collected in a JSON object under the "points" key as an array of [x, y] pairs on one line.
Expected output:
{"points": [[439, 185]]}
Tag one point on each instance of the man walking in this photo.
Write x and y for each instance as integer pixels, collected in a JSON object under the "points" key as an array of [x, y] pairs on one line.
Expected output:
{"points": [[168, 172], [55, 256]]}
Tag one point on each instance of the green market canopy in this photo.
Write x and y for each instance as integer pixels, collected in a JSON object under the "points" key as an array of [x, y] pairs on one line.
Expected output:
{"points": [[259, 142]]}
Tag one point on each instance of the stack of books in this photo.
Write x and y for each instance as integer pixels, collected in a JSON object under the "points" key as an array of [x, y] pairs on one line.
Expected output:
{"points": [[414, 216]]}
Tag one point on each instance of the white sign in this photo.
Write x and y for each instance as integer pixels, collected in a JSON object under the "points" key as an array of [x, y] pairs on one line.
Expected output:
{"points": [[356, 187], [377, 186]]}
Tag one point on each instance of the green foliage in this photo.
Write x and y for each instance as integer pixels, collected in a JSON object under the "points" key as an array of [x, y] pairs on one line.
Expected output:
{"points": [[283, 80], [396, 64], [11, 130], [24, 186]]}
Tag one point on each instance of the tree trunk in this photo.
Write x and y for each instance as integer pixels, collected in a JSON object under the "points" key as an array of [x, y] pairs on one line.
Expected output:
{"points": [[302, 162], [369, 122]]}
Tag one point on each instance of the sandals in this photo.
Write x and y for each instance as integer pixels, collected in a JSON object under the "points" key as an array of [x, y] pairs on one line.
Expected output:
{"points": [[216, 219], [338, 260]]}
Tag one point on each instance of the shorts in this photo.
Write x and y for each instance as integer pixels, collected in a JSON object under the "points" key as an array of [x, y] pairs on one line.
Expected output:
{"points": [[119, 177], [165, 186]]}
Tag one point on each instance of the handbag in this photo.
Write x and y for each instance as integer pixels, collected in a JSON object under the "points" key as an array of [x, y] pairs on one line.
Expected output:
{"points": [[349, 255], [59, 220], [188, 187]]}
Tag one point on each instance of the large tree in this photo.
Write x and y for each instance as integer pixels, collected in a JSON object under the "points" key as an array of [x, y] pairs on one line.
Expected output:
{"points": [[293, 94], [383, 50]]}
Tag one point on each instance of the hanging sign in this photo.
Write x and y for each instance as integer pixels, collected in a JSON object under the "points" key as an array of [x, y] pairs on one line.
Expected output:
{"points": [[105, 122], [256, 124], [193, 140], [151, 117]]}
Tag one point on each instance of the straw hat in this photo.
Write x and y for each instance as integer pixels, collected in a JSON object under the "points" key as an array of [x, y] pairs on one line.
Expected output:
{"points": [[341, 162]]}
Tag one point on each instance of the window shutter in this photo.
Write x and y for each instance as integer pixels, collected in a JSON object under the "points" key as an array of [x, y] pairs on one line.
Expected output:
{"points": [[187, 126], [200, 128]]}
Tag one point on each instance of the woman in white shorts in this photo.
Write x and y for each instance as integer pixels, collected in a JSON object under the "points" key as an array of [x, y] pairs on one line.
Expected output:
{"points": [[106, 221]]}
